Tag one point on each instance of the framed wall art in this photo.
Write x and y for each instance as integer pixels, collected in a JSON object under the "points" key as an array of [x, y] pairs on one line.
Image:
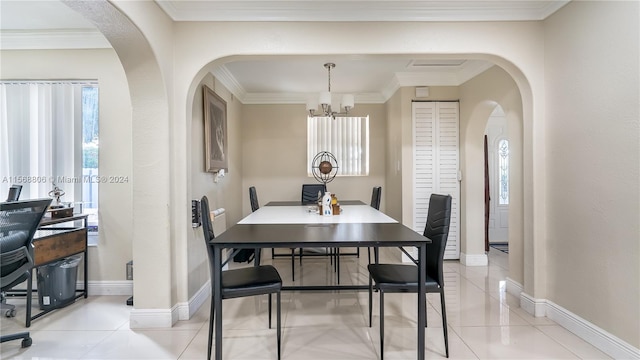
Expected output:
{"points": [[215, 131]]}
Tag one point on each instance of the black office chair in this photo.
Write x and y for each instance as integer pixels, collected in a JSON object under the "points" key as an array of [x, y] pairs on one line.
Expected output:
{"points": [[14, 192], [19, 221], [404, 278], [376, 196], [248, 281]]}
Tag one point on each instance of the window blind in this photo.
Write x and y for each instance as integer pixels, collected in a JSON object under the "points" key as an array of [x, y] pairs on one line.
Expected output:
{"points": [[347, 138]]}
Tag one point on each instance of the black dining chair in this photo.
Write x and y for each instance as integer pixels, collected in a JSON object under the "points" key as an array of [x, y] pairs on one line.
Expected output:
{"points": [[376, 195], [255, 205], [242, 282], [310, 193], [253, 198], [310, 196], [404, 278]]}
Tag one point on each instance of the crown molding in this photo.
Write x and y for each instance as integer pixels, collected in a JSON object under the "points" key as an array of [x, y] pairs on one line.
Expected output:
{"points": [[227, 79], [53, 39], [354, 10], [437, 76]]}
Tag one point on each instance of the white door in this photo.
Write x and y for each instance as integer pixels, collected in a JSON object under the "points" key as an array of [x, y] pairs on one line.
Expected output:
{"points": [[436, 164], [498, 155]]}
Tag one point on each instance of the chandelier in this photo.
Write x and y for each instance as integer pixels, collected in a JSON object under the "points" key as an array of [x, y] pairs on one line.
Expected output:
{"points": [[325, 101]]}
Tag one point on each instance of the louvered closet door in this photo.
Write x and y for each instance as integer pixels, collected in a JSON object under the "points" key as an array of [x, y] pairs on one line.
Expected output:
{"points": [[436, 164]]}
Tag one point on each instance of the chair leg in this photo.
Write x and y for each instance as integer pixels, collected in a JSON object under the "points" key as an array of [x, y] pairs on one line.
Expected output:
{"points": [[293, 264], [269, 311], [370, 300], [273, 253], [444, 323], [278, 306], [369, 254], [338, 264], [211, 315], [26, 338], [381, 324], [29, 297]]}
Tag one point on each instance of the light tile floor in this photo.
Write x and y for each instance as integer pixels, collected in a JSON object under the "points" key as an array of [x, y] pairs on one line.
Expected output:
{"points": [[484, 323]]}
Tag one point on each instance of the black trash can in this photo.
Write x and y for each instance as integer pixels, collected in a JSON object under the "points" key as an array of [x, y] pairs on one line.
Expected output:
{"points": [[57, 282]]}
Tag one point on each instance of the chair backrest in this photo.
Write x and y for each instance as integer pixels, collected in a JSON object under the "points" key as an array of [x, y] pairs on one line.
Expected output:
{"points": [[207, 230], [437, 229], [14, 192], [253, 198], [310, 193], [375, 197], [19, 221]]}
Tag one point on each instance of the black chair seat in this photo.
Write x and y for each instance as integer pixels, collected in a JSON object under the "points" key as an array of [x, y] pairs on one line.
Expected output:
{"points": [[254, 280], [394, 277]]}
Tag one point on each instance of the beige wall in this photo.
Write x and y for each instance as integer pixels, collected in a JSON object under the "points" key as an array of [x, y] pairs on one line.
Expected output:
{"points": [[274, 141], [593, 159], [222, 192], [106, 261], [392, 193]]}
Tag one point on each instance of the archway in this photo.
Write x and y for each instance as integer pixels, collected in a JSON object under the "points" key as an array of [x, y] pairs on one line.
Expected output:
{"points": [[150, 131]]}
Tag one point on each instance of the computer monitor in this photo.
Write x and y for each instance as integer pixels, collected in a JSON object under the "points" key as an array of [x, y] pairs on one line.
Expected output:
{"points": [[14, 192]]}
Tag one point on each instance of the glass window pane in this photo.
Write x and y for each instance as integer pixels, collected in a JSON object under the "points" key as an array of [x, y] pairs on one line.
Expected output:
{"points": [[503, 164]]}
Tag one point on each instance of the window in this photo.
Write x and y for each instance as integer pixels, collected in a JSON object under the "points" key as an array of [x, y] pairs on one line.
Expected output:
{"points": [[347, 138], [49, 134], [503, 169]]}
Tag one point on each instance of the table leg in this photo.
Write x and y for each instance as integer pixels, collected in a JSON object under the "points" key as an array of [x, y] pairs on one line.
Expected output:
{"points": [[217, 300], [422, 308], [257, 256], [86, 272]]}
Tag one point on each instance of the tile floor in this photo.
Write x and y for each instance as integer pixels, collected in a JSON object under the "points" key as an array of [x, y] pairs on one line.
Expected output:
{"points": [[484, 323]]}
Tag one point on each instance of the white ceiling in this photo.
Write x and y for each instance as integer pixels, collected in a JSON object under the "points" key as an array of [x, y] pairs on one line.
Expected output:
{"points": [[278, 79]]}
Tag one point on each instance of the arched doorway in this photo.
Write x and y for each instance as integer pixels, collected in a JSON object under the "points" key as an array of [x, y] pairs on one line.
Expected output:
{"points": [[150, 180]]}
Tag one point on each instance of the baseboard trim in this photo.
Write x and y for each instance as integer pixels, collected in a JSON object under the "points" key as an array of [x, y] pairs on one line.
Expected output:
{"points": [[535, 307], [187, 309], [152, 318], [514, 288], [603, 340], [598, 337], [474, 260], [124, 287]]}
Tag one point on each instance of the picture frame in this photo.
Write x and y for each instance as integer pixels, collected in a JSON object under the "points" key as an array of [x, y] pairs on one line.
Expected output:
{"points": [[215, 131]]}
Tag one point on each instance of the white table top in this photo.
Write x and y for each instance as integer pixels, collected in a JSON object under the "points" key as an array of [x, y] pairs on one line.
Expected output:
{"points": [[305, 214]]}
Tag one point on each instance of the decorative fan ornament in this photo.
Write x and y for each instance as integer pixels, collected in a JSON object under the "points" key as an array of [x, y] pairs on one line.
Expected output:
{"points": [[324, 167]]}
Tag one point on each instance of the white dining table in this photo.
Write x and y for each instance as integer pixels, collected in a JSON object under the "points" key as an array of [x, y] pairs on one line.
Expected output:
{"points": [[308, 214]]}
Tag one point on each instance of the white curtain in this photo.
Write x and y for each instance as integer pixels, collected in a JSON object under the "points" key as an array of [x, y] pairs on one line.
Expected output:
{"points": [[347, 138], [40, 136]]}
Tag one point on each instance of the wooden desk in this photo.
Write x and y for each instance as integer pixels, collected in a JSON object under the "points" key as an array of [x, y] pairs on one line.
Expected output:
{"points": [[55, 240], [283, 235]]}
